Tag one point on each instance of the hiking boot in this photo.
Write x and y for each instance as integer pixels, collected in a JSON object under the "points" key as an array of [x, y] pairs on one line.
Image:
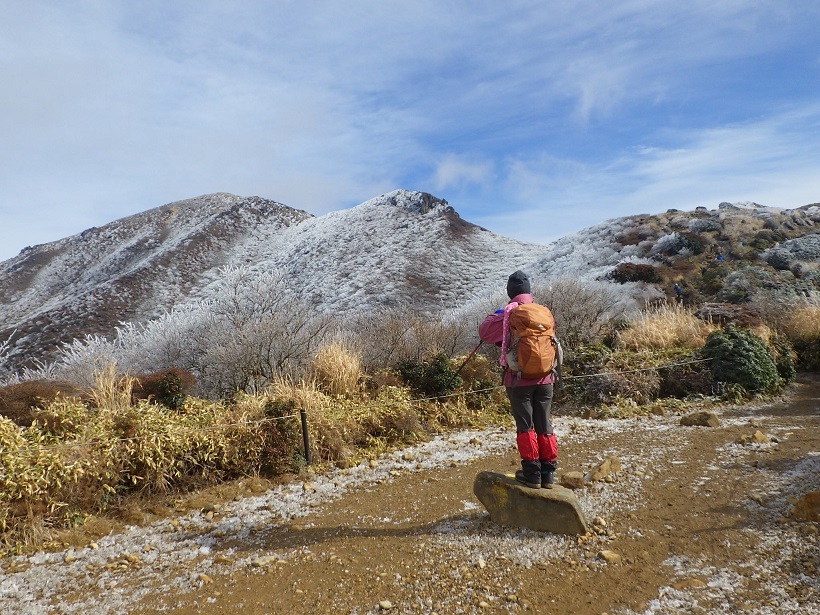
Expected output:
{"points": [[522, 478], [530, 474], [547, 473]]}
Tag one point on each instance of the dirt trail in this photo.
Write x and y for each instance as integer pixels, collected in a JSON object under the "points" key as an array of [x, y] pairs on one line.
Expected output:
{"points": [[697, 518]]}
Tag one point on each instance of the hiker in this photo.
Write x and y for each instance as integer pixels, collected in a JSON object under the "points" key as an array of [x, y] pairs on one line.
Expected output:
{"points": [[678, 293], [530, 398]]}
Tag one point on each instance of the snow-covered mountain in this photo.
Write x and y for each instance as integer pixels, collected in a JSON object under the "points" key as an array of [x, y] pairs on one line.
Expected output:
{"points": [[401, 248]]}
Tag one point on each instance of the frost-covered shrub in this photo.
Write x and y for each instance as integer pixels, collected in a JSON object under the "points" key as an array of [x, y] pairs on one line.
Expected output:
{"points": [[737, 288], [704, 225], [778, 258], [251, 330], [677, 243], [383, 337], [738, 356], [582, 311]]}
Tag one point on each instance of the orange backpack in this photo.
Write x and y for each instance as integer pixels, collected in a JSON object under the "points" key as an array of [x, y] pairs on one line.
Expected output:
{"points": [[532, 347]]}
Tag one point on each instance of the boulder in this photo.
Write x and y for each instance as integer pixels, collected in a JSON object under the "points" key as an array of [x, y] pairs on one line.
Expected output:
{"points": [[512, 504], [700, 419]]}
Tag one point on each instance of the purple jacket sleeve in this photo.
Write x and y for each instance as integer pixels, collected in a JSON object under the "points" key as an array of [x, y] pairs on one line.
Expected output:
{"points": [[491, 331]]}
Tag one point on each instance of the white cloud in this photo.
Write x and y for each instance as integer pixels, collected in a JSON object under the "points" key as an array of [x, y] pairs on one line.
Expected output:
{"points": [[454, 172], [108, 108]]}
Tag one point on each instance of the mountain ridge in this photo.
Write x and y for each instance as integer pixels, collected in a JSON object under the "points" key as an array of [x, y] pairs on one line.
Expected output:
{"points": [[402, 248]]}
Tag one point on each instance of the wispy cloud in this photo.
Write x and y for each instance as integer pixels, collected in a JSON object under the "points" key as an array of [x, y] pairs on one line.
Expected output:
{"points": [[109, 108], [772, 161]]}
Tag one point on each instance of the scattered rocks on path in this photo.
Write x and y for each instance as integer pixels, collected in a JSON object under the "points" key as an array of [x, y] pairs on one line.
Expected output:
{"points": [[511, 504], [757, 437], [608, 466]]}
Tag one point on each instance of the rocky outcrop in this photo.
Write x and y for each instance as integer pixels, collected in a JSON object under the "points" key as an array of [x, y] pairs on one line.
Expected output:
{"points": [[511, 504]]}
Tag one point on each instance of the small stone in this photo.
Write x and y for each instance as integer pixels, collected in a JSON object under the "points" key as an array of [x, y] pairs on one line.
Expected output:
{"points": [[93, 546], [204, 578], [69, 558], [483, 604], [756, 497], [210, 507], [760, 437], [264, 561], [600, 521], [385, 605], [306, 486], [610, 557], [700, 419], [481, 563]]}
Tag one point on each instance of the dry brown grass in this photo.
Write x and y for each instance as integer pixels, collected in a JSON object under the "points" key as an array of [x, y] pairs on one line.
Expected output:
{"points": [[110, 390], [337, 370], [665, 327], [802, 324]]}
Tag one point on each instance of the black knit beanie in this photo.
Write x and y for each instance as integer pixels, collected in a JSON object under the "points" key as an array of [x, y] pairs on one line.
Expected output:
{"points": [[517, 284]]}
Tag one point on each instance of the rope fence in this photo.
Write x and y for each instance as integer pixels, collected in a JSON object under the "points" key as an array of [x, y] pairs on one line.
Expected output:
{"points": [[302, 414]]}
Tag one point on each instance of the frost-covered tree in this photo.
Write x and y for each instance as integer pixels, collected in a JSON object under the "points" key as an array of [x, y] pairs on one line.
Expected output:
{"points": [[250, 330]]}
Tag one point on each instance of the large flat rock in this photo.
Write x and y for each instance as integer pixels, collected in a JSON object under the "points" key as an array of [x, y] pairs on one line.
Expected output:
{"points": [[512, 504]]}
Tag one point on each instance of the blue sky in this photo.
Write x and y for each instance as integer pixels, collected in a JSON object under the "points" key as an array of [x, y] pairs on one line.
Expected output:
{"points": [[534, 119]]}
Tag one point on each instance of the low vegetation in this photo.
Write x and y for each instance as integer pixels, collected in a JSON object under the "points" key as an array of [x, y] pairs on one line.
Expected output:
{"points": [[173, 406]]}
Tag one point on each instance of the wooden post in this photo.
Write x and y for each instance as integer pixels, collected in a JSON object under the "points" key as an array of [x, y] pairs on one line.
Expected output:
{"points": [[305, 436]]}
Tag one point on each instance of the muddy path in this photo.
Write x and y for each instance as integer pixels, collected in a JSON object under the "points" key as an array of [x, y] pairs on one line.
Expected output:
{"points": [[700, 521]]}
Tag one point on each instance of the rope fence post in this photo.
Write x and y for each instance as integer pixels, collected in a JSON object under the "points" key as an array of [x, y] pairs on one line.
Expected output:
{"points": [[305, 435]]}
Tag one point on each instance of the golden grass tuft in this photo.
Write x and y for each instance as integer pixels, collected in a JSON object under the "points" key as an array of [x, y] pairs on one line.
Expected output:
{"points": [[802, 324], [110, 390], [337, 370], [665, 327]]}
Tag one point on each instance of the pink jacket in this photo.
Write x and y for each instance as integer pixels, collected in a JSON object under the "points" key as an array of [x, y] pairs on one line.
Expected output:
{"points": [[491, 331]]}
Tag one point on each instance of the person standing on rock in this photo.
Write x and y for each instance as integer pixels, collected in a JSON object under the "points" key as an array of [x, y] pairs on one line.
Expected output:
{"points": [[525, 331]]}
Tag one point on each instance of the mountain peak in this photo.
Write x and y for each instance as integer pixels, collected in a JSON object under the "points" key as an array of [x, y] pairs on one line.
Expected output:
{"points": [[420, 202]]}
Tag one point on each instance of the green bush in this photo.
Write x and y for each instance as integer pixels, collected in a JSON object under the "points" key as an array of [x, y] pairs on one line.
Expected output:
{"points": [[784, 359], [634, 272], [738, 356], [433, 377]]}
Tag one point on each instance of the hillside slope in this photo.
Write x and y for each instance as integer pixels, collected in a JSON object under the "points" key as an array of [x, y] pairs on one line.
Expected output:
{"points": [[403, 248]]}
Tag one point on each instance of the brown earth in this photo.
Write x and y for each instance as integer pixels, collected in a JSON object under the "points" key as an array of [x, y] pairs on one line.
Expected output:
{"points": [[701, 524], [375, 544]]}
